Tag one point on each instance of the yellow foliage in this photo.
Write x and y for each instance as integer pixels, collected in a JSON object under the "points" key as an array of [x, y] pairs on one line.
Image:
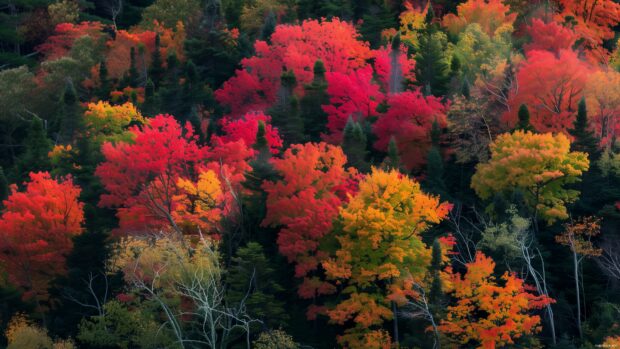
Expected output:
{"points": [[380, 244], [539, 165], [412, 20], [199, 203]]}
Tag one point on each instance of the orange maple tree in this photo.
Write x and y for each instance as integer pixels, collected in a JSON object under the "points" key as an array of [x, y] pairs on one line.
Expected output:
{"points": [[487, 313], [36, 228], [381, 255], [304, 204], [489, 14]]}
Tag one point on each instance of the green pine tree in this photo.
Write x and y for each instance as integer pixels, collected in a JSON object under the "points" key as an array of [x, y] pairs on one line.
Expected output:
{"points": [[252, 276], [435, 167], [354, 144], [436, 292], [285, 114], [71, 114], [585, 140], [156, 72], [392, 160], [524, 119], [315, 96], [432, 68], [4, 187], [104, 87], [35, 157], [133, 71]]}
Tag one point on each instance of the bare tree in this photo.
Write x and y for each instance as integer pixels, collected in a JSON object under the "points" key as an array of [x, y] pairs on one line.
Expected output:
{"points": [[421, 309]]}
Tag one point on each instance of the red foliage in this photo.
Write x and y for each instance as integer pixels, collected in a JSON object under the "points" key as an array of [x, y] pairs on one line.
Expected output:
{"points": [[549, 36], [245, 129], [409, 120], [293, 48], [353, 94], [141, 177], [386, 61], [304, 203], [551, 86], [36, 228], [59, 44]]}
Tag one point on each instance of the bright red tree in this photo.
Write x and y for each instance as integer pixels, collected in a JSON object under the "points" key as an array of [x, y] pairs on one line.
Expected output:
{"points": [[59, 44], [551, 86], [409, 120], [292, 48], [36, 228], [245, 129], [549, 36], [351, 95], [304, 203], [142, 177]]}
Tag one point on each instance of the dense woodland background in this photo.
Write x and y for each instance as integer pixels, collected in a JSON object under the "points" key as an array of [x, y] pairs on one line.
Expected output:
{"points": [[309, 174]]}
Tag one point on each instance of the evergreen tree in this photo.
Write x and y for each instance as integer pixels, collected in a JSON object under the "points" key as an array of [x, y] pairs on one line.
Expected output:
{"points": [[35, 157], [585, 140], [104, 87], [354, 145], [285, 113], [392, 160], [315, 96], [432, 69], [375, 20], [436, 293], [4, 187], [465, 90], [133, 71], [524, 119], [71, 114], [269, 26], [435, 167], [157, 69], [251, 276], [151, 103]]}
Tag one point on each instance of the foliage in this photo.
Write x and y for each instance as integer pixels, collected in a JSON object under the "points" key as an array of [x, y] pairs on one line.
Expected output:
{"points": [[36, 227], [487, 313], [384, 248], [539, 165]]}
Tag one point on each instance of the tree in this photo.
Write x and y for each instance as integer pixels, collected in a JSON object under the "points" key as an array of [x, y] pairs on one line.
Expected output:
{"points": [[251, 279], [164, 179], [602, 94], [169, 13], [432, 67], [350, 95], [549, 36], [293, 48], [36, 228], [354, 145], [491, 15], [381, 257], [434, 181], [538, 165], [37, 147], [592, 21], [550, 86], [304, 203], [71, 117], [487, 313], [156, 70], [409, 120], [285, 112], [310, 105], [585, 141], [246, 129], [578, 237], [524, 119], [4, 187]]}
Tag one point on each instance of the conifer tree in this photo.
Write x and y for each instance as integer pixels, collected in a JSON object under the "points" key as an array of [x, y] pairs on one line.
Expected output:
{"points": [[133, 71], [436, 293], [104, 87], [524, 119], [315, 96], [285, 113], [354, 145], [392, 160], [251, 278], [37, 146], [71, 114], [4, 186], [157, 70], [432, 68], [585, 140], [435, 167]]}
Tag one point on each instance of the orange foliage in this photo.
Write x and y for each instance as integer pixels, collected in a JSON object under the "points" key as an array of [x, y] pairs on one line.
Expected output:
{"points": [[488, 314], [36, 228], [489, 14]]}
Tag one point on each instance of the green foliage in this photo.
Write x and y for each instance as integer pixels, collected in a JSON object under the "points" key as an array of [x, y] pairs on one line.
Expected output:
{"points": [[122, 327], [275, 339], [36, 149], [503, 239], [585, 140], [315, 96], [4, 186], [432, 66], [524, 119], [354, 145], [252, 279]]}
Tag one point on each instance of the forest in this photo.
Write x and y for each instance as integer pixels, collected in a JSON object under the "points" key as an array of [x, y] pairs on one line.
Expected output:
{"points": [[299, 174]]}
